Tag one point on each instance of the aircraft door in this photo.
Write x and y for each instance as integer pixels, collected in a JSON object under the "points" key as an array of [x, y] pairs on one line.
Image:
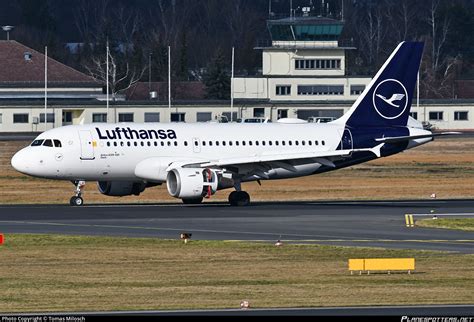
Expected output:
{"points": [[346, 140], [196, 145], [87, 145]]}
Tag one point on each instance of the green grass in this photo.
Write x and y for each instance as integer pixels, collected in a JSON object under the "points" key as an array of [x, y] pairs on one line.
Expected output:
{"points": [[77, 273], [448, 223]]}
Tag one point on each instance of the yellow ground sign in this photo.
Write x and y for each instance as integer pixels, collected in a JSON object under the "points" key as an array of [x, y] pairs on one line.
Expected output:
{"points": [[382, 264]]}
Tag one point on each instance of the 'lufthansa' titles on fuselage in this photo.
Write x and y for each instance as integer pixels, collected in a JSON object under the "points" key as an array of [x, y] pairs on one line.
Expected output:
{"points": [[130, 134]]}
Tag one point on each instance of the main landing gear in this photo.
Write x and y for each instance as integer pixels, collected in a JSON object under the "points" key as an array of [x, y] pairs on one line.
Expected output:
{"points": [[239, 199], [192, 201], [77, 200]]}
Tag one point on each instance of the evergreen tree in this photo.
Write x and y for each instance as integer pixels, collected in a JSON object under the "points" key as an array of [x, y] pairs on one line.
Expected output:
{"points": [[217, 80]]}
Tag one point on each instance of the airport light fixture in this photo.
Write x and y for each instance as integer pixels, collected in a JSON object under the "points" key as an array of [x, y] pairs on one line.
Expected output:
{"points": [[7, 29]]}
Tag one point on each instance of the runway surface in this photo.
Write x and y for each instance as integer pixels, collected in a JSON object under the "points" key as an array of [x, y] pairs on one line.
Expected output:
{"points": [[374, 223]]}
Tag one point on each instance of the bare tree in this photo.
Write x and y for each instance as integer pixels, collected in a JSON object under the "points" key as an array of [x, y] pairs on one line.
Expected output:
{"points": [[402, 16], [120, 78], [373, 31], [439, 34]]}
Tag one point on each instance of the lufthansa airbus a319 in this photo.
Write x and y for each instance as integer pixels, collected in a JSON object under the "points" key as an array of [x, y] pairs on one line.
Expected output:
{"points": [[196, 160]]}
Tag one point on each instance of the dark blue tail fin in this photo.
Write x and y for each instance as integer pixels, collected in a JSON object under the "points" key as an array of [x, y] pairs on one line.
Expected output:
{"points": [[386, 101]]}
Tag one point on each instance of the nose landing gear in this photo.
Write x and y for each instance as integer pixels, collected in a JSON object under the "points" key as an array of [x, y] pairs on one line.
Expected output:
{"points": [[77, 200]]}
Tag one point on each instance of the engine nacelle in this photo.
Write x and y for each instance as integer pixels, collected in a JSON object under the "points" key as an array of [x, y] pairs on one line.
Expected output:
{"points": [[191, 182], [120, 188]]}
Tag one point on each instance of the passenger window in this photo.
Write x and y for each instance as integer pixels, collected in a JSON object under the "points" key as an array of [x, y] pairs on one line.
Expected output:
{"points": [[277, 143], [57, 143], [148, 143], [297, 142], [196, 143], [37, 142], [210, 143], [135, 143], [263, 142], [270, 143], [217, 143], [316, 142], [168, 143], [48, 143], [230, 143], [283, 142], [115, 143], [108, 143], [256, 143], [303, 142], [142, 144], [175, 143], [290, 143], [323, 143], [155, 143], [162, 143], [237, 143], [203, 143], [185, 143], [223, 143], [310, 143], [243, 143], [121, 143]]}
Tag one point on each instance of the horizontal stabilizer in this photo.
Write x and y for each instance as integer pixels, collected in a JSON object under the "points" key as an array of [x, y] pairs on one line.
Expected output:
{"points": [[413, 137]]}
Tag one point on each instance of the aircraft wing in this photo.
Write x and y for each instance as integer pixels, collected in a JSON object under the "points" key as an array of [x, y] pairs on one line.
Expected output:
{"points": [[317, 156], [413, 137]]}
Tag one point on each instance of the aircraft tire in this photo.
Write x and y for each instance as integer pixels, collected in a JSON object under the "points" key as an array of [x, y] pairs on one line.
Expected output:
{"points": [[192, 201], [76, 201], [239, 199]]}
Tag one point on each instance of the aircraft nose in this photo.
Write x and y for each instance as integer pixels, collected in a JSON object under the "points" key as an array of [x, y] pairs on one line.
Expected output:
{"points": [[19, 162]]}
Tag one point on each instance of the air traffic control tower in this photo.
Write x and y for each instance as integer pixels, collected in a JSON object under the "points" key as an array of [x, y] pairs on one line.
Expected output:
{"points": [[304, 62]]}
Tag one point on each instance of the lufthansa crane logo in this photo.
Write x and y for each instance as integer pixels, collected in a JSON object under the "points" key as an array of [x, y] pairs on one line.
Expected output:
{"points": [[390, 99]]}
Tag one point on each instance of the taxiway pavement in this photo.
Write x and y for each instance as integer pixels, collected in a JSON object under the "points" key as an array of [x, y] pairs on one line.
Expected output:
{"points": [[352, 223]]}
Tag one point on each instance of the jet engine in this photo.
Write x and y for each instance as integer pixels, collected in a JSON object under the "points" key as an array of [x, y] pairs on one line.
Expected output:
{"points": [[191, 182], [121, 188]]}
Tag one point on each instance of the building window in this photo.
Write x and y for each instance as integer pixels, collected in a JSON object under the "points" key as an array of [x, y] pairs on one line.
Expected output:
{"points": [[414, 115], [49, 118], [320, 90], [317, 64], [152, 117], [67, 117], [461, 116], [357, 89], [227, 115], [125, 117], [436, 116], [282, 90], [282, 114], [203, 116], [20, 118], [99, 118], [178, 117], [259, 112]]}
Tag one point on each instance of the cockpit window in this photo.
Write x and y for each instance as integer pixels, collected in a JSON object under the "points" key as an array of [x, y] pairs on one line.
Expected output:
{"points": [[48, 143], [37, 142], [57, 143]]}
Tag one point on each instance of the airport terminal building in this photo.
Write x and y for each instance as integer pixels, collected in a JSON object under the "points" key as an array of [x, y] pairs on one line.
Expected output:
{"points": [[304, 75]]}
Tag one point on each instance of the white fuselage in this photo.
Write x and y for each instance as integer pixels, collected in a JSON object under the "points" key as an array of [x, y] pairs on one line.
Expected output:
{"points": [[97, 152]]}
